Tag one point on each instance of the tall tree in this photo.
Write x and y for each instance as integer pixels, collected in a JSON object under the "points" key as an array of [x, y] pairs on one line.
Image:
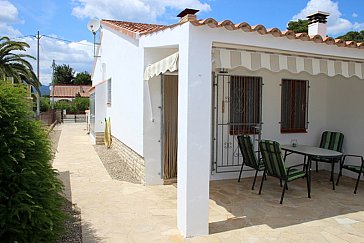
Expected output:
{"points": [[63, 74], [14, 64], [299, 26], [353, 36], [83, 78]]}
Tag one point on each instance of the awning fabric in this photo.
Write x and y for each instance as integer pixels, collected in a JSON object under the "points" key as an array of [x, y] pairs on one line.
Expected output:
{"points": [[277, 62], [169, 63]]}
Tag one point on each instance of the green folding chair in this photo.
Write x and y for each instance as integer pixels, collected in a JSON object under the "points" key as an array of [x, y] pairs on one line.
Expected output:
{"points": [[353, 168], [275, 166], [249, 157], [333, 141]]}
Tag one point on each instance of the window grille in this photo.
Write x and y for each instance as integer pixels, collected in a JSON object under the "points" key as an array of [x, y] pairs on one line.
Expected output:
{"points": [[245, 107]]}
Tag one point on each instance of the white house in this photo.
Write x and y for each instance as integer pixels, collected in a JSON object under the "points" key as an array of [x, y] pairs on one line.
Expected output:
{"points": [[178, 95]]}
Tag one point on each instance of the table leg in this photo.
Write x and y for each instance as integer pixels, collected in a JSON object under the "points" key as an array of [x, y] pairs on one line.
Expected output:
{"points": [[308, 172], [305, 163], [285, 155], [332, 173]]}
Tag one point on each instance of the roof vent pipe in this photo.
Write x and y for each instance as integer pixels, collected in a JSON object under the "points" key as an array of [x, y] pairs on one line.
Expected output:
{"points": [[187, 15], [317, 23]]}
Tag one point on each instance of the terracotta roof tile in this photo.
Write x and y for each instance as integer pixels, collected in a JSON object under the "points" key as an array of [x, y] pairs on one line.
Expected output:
{"points": [[136, 29], [261, 29], [70, 91], [133, 29]]}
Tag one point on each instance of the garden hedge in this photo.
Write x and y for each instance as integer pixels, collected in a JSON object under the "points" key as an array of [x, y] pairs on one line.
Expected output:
{"points": [[30, 193]]}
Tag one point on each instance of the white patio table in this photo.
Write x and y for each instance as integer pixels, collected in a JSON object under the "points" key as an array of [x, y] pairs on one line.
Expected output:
{"points": [[312, 152]]}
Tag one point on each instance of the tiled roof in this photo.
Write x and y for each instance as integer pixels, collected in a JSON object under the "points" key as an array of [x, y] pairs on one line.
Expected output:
{"points": [[137, 29], [70, 91], [133, 29], [261, 29]]}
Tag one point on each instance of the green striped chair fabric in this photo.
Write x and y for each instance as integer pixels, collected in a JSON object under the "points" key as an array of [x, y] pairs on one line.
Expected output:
{"points": [[272, 158], [333, 141], [249, 156], [353, 168], [247, 150], [359, 169], [274, 165]]}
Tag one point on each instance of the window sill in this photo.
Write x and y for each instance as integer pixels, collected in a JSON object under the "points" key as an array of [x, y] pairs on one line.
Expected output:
{"points": [[293, 131]]}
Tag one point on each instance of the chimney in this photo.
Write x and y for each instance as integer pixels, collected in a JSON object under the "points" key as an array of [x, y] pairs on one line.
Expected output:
{"points": [[317, 23], [187, 15]]}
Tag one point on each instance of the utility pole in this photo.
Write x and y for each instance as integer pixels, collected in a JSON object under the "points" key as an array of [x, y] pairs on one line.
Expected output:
{"points": [[53, 68], [38, 96]]}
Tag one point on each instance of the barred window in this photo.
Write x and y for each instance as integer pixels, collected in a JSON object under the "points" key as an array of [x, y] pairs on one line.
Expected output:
{"points": [[245, 104], [109, 91], [294, 106]]}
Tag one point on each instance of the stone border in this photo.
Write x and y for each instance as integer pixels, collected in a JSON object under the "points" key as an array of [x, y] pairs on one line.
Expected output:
{"points": [[134, 161]]}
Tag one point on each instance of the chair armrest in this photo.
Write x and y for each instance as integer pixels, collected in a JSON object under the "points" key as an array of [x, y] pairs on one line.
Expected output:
{"points": [[293, 166], [353, 155]]}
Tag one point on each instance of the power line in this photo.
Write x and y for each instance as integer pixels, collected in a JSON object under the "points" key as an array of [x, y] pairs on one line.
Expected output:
{"points": [[51, 37], [56, 38], [21, 37]]}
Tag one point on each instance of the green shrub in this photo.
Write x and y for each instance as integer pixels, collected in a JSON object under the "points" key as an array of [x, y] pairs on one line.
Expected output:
{"points": [[30, 193], [62, 105], [78, 105], [44, 104], [81, 104]]}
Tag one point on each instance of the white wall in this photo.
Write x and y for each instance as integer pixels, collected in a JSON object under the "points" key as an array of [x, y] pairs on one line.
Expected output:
{"points": [[271, 43], [124, 65], [194, 125], [152, 130], [346, 113]]}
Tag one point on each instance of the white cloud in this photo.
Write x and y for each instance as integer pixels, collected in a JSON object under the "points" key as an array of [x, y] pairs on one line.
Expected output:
{"points": [[78, 55], [8, 30], [8, 13], [354, 15], [8, 16], [132, 10], [335, 23], [358, 26]]}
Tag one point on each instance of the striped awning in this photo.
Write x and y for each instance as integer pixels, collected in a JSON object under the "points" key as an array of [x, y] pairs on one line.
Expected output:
{"points": [[169, 63], [252, 60]]}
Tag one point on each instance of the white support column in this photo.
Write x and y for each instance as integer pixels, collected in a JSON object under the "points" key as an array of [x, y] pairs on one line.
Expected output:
{"points": [[194, 135]]}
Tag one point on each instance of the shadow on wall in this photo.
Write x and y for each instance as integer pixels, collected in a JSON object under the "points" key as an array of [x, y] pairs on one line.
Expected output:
{"points": [[250, 209]]}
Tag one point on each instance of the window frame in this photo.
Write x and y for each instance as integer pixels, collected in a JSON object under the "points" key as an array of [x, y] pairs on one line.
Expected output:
{"points": [[108, 91], [293, 106]]}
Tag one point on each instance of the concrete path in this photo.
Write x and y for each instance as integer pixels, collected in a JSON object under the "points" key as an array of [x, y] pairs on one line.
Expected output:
{"points": [[116, 211], [111, 210]]}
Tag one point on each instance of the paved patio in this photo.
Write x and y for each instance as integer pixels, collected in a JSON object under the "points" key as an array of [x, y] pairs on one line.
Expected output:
{"points": [[117, 211]]}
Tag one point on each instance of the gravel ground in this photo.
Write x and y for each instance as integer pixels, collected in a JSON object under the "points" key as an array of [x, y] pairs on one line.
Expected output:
{"points": [[115, 166], [54, 135], [73, 226]]}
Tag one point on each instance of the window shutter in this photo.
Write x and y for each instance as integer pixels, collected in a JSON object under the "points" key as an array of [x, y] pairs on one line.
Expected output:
{"points": [[294, 106]]}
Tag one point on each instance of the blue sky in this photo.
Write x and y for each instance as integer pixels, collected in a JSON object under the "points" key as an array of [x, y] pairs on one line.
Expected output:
{"points": [[67, 20]]}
